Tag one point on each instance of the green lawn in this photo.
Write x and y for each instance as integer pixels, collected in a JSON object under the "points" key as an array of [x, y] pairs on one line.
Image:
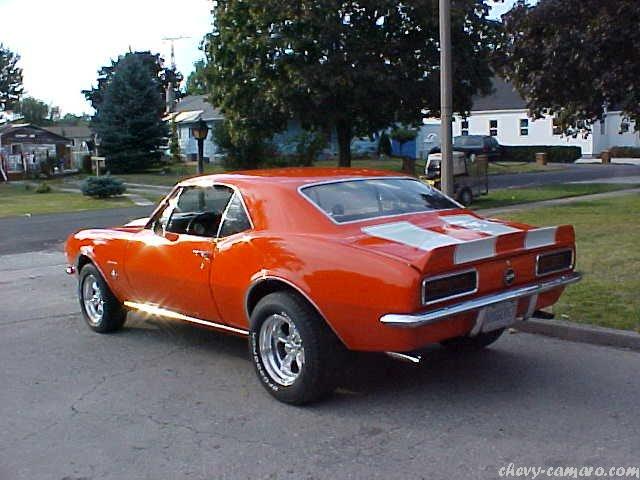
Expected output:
{"points": [[517, 167], [16, 200], [514, 196], [607, 235]]}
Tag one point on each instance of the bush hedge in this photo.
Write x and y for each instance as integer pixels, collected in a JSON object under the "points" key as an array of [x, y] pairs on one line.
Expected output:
{"points": [[103, 187], [625, 152], [559, 154]]}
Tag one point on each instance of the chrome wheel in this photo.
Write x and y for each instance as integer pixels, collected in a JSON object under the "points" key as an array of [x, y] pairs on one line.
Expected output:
{"points": [[92, 299], [281, 349]]}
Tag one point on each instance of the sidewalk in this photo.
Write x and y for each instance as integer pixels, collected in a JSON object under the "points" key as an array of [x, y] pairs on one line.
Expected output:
{"points": [[556, 201]]}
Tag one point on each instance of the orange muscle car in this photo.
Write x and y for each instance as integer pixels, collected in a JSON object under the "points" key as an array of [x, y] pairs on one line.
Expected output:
{"points": [[310, 263]]}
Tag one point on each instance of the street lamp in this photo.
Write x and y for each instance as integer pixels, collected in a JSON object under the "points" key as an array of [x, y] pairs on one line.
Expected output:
{"points": [[200, 131]]}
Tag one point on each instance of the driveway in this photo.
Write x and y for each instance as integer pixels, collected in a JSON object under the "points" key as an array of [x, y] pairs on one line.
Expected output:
{"points": [[165, 400]]}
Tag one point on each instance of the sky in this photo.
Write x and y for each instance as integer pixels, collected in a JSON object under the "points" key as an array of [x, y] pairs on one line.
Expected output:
{"points": [[63, 43]]}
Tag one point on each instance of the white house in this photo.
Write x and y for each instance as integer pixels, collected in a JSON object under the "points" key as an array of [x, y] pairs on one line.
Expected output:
{"points": [[186, 113], [504, 115]]}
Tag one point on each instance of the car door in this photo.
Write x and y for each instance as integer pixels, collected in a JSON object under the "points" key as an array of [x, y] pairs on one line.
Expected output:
{"points": [[168, 264]]}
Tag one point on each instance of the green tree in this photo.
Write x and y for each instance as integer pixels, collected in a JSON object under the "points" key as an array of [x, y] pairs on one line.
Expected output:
{"points": [[174, 143], [10, 79], [197, 81], [129, 110], [34, 111], [355, 67], [153, 62], [570, 58]]}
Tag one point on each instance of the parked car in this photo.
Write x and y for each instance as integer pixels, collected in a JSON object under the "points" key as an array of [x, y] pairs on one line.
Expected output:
{"points": [[312, 263], [478, 144]]}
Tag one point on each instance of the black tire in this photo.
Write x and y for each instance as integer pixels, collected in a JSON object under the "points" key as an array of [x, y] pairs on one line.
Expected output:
{"points": [[465, 197], [469, 344], [323, 353], [113, 313]]}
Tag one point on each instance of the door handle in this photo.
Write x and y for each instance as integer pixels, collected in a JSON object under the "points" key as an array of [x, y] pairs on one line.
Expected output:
{"points": [[201, 253]]}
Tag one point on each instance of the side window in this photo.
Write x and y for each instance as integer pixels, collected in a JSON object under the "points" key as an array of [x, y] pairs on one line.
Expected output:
{"points": [[235, 218], [198, 210]]}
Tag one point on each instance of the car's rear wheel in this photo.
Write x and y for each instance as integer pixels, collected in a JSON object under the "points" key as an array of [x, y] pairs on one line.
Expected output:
{"points": [[477, 342], [294, 352], [100, 308]]}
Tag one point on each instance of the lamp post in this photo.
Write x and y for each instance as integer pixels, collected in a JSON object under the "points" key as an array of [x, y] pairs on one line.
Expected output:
{"points": [[200, 131], [446, 107]]}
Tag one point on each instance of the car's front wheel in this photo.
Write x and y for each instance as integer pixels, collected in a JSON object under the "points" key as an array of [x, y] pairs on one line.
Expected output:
{"points": [[100, 308], [295, 354]]}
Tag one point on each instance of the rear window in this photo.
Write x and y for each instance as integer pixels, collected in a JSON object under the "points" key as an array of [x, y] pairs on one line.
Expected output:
{"points": [[352, 200]]}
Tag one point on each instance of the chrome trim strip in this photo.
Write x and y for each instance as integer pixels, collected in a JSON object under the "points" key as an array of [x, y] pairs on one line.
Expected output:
{"points": [[163, 312], [434, 316], [573, 259], [446, 275]]}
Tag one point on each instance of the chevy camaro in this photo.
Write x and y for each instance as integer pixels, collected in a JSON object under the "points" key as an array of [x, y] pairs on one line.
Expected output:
{"points": [[312, 263]]}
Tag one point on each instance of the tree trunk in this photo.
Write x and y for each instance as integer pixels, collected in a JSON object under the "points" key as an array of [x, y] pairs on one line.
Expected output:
{"points": [[344, 132]]}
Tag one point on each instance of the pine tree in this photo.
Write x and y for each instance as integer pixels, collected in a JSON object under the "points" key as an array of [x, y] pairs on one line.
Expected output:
{"points": [[129, 114], [10, 79]]}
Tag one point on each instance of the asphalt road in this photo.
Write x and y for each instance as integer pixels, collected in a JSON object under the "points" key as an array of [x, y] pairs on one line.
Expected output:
{"points": [[164, 400], [38, 232], [573, 173]]}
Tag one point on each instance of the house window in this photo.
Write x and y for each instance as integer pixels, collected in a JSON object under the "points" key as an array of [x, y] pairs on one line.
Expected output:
{"points": [[524, 127], [493, 128], [557, 127], [464, 125], [624, 127]]}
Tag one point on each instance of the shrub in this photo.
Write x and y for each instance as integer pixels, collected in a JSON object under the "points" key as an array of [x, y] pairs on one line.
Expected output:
{"points": [[625, 152], [309, 144], [527, 153], [243, 148], [43, 187], [103, 187]]}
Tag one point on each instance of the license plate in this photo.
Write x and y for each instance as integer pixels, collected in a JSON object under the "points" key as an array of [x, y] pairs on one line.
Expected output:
{"points": [[500, 315]]}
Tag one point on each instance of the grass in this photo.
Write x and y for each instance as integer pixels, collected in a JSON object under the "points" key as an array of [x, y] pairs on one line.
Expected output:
{"points": [[607, 233], [517, 167], [515, 196], [16, 200]]}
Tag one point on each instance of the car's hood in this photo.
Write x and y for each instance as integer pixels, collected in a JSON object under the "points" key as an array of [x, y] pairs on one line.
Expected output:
{"points": [[451, 238]]}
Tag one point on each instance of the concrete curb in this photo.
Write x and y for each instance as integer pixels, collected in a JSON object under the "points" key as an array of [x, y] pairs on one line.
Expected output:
{"points": [[575, 332]]}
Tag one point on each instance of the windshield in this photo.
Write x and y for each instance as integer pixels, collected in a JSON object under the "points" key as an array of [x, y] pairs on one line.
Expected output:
{"points": [[352, 200], [467, 141]]}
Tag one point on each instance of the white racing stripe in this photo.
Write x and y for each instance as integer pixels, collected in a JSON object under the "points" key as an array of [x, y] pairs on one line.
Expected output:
{"points": [[475, 250], [478, 224], [540, 237], [465, 251], [409, 234]]}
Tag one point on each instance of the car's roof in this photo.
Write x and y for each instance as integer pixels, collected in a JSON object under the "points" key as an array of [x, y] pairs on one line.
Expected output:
{"points": [[294, 176]]}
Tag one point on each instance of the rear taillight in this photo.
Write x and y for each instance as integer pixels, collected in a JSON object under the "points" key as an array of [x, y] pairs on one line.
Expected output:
{"points": [[445, 287], [548, 263]]}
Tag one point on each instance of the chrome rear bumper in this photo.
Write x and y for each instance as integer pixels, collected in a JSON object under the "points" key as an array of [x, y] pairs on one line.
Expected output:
{"points": [[434, 316]]}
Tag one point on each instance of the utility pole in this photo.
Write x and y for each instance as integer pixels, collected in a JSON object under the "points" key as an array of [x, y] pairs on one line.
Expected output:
{"points": [[446, 100]]}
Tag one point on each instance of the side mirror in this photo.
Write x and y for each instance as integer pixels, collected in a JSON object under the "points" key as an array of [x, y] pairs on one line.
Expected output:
{"points": [[172, 237]]}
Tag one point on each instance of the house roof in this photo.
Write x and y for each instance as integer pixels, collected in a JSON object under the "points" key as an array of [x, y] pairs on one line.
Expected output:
{"points": [[71, 132], [192, 108], [11, 128], [502, 97]]}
